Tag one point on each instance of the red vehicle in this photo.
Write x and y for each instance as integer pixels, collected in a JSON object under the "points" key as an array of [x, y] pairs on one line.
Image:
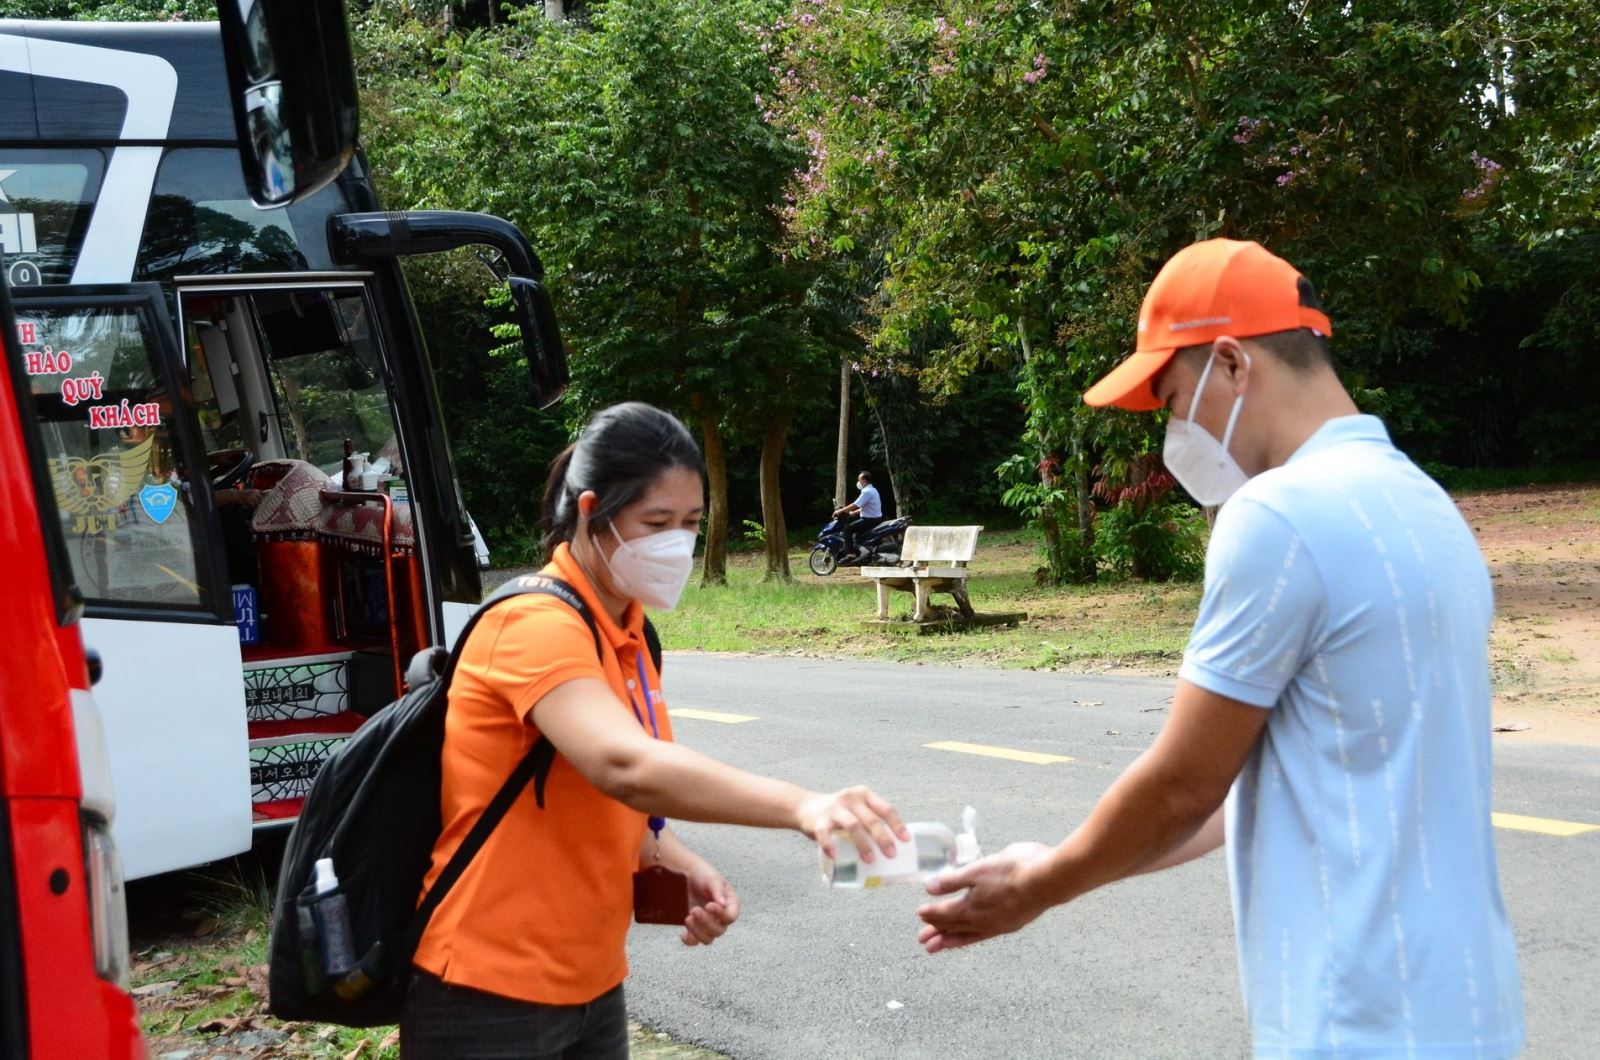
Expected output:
{"points": [[63, 923]]}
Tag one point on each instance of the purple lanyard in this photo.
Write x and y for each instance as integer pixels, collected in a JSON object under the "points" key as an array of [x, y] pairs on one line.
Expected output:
{"points": [[656, 823]]}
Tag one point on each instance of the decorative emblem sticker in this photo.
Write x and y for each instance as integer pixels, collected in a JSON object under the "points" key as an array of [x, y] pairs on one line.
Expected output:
{"points": [[158, 502]]}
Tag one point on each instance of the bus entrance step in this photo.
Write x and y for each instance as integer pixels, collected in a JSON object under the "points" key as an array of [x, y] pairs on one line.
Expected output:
{"points": [[277, 811], [320, 725], [301, 687], [285, 756]]}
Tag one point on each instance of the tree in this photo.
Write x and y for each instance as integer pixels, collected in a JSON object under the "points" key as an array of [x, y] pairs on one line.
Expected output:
{"points": [[986, 195], [1021, 171], [635, 153]]}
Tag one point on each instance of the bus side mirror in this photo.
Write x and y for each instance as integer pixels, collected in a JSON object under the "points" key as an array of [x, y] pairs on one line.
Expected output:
{"points": [[541, 340], [293, 83], [365, 238]]}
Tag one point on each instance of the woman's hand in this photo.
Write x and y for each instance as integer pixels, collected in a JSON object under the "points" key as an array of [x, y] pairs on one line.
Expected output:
{"points": [[714, 906], [869, 820]]}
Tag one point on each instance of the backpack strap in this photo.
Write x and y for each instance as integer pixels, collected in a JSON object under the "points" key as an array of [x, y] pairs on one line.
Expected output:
{"points": [[652, 640], [523, 585]]}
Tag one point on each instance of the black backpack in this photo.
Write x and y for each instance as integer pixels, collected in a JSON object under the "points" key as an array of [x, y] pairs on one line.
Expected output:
{"points": [[374, 810]]}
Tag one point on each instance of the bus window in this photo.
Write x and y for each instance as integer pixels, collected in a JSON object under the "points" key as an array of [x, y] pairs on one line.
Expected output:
{"points": [[46, 198], [201, 221], [328, 378], [290, 374], [108, 416]]}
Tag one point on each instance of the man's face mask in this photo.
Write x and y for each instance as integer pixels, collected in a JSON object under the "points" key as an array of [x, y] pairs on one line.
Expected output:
{"points": [[1200, 463]]}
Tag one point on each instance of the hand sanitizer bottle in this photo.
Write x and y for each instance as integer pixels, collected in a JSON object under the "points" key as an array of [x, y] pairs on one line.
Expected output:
{"points": [[933, 848], [332, 915]]}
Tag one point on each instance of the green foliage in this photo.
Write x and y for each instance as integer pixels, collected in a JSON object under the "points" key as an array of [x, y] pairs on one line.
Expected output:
{"points": [[635, 155], [969, 199], [1044, 506], [1011, 175], [1146, 532], [116, 10], [1462, 480], [1164, 541]]}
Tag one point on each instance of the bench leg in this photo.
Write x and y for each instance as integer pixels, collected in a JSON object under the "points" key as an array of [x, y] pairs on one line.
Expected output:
{"points": [[924, 591], [883, 602]]}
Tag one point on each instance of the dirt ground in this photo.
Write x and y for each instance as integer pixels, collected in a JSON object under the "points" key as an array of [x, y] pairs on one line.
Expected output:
{"points": [[1543, 549]]}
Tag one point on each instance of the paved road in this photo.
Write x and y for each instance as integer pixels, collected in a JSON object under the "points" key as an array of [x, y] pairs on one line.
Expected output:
{"points": [[1142, 969]]}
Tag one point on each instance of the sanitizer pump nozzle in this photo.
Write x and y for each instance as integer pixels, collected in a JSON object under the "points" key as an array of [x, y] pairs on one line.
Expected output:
{"points": [[967, 839]]}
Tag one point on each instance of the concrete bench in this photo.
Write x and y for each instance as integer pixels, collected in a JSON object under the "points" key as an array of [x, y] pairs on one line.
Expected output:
{"points": [[933, 560]]}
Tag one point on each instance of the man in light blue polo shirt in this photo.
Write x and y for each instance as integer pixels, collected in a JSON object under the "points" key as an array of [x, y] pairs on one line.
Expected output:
{"points": [[1331, 721]]}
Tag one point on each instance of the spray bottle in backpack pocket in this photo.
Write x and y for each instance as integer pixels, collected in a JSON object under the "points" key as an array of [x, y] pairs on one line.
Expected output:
{"points": [[330, 913]]}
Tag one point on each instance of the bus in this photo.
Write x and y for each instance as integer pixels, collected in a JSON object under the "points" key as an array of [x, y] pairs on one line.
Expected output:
{"points": [[238, 413], [63, 921]]}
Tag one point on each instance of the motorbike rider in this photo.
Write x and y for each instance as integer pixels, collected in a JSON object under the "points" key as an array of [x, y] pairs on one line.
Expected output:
{"points": [[860, 516]]}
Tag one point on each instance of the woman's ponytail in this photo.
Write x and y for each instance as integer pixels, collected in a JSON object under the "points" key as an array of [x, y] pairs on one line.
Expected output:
{"points": [[620, 454], [560, 510]]}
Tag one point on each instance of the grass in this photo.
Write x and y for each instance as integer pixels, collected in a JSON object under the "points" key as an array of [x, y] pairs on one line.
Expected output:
{"points": [[1067, 626]]}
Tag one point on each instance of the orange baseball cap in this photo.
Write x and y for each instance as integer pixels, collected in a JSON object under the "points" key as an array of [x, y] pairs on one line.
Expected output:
{"points": [[1218, 287]]}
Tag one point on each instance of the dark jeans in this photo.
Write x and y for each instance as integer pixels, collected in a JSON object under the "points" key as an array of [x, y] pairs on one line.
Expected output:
{"points": [[857, 528], [446, 1022]]}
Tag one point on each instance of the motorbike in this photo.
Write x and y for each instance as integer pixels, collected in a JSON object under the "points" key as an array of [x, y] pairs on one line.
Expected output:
{"points": [[879, 547]]}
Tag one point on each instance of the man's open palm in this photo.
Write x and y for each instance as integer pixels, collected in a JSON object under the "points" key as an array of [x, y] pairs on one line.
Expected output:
{"points": [[995, 903]]}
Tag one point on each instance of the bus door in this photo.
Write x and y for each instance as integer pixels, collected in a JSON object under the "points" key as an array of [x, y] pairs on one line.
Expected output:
{"points": [[130, 480], [294, 400]]}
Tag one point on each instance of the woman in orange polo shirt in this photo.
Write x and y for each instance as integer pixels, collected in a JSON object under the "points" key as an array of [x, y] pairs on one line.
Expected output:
{"points": [[525, 957]]}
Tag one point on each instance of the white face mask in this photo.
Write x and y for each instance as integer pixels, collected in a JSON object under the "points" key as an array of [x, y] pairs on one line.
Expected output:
{"points": [[652, 569], [1200, 463]]}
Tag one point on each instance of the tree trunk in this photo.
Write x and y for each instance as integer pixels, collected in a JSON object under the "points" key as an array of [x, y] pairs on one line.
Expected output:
{"points": [[1055, 556], [1049, 476], [841, 466], [555, 10], [1080, 460], [714, 569], [449, 15], [492, 5], [773, 440], [901, 509]]}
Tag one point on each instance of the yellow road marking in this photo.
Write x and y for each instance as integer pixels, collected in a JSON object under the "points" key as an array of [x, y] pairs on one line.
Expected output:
{"points": [[711, 715], [1543, 825], [1031, 757]]}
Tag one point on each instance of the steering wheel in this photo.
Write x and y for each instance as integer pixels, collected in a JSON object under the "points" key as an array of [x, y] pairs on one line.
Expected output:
{"points": [[227, 467]]}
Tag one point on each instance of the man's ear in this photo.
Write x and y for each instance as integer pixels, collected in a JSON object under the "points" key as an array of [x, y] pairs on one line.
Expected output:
{"points": [[1234, 362]]}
